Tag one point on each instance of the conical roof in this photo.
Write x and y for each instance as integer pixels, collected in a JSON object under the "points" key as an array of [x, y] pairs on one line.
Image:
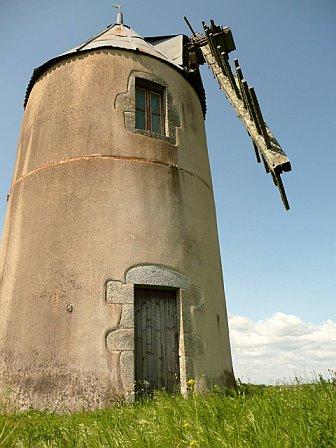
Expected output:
{"points": [[169, 49], [121, 36]]}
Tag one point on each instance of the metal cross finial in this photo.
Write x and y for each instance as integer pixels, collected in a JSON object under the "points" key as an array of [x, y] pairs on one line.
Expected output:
{"points": [[120, 17]]}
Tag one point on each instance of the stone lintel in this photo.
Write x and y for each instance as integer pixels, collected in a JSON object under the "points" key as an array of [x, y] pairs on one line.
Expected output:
{"points": [[156, 275]]}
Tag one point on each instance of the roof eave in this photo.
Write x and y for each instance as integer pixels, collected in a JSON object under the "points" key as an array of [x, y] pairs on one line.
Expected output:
{"points": [[39, 71]]}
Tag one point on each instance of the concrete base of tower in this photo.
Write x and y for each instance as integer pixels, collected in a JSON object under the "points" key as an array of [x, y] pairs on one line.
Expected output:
{"points": [[52, 387], [58, 389], [40, 382]]}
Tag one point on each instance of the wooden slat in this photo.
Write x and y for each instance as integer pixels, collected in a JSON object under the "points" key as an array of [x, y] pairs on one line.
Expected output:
{"points": [[250, 105], [227, 69], [240, 79], [137, 345], [163, 318], [244, 96], [282, 191], [159, 363], [265, 164], [261, 122], [169, 345], [256, 152], [153, 348], [149, 345], [146, 331], [177, 344], [144, 340]]}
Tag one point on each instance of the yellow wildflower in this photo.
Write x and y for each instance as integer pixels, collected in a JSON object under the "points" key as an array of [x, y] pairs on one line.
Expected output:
{"points": [[193, 444]]}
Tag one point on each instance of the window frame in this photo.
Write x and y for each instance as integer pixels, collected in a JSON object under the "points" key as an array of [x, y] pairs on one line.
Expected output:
{"points": [[151, 89]]}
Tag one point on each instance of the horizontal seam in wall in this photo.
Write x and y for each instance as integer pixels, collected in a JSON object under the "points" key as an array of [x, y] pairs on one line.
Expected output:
{"points": [[104, 157]]}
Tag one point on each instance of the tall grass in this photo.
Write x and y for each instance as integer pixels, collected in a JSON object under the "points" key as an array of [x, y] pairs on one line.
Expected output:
{"points": [[302, 416]]}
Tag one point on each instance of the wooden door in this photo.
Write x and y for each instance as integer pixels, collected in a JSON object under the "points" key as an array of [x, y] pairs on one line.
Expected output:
{"points": [[156, 340]]}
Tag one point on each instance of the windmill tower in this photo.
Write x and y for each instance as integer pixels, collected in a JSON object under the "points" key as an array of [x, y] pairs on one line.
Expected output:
{"points": [[111, 279]]}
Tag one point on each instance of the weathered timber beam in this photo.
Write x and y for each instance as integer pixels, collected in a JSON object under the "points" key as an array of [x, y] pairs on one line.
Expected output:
{"points": [[273, 155], [253, 115], [189, 25], [248, 110], [282, 191], [215, 46], [265, 165], [251, 108], [228, 72], [244, 95], [246, 101], [260, 119], [256, 152], [240, 78], [251, 104]]}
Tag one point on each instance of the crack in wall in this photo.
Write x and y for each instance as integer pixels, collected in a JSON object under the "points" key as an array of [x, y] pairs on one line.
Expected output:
{"points": [[105, 157]]}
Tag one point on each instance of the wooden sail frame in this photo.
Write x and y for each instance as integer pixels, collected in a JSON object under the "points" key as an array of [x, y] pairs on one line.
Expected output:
{"points": [[214, 47]]}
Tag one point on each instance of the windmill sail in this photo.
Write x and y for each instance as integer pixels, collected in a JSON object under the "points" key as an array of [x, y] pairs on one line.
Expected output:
{"points": [[213, 47]]}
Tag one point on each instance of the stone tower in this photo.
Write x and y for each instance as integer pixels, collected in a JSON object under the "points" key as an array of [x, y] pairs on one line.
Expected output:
{"points": [[110, 270]]}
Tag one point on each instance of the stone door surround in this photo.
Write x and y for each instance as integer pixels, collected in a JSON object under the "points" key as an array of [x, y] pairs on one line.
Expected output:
{"points": [[120, 339]]}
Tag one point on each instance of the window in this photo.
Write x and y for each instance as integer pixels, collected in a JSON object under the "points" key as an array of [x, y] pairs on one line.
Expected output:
{"points": [[149, 106]]}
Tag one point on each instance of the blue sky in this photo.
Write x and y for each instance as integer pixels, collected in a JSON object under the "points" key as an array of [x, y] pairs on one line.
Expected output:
{"points": [[276, 263]]}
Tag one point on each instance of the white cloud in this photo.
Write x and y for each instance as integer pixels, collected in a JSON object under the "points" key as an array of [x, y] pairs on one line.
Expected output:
{"points": [[280, 347]]}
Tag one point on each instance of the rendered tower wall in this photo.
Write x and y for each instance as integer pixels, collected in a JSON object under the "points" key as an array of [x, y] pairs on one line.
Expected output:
{"points": [[96, 207]]}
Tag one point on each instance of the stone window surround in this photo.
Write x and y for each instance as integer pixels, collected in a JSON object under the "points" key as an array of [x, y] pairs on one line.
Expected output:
{"points": [[119, 340], [126, 102]]}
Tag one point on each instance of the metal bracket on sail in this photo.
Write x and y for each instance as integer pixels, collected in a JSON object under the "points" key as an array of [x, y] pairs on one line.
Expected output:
{"points": [[214, 47]]}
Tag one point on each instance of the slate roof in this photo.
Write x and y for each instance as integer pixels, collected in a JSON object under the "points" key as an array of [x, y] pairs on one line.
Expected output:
{"points": [[169, 49], [121, 36]]}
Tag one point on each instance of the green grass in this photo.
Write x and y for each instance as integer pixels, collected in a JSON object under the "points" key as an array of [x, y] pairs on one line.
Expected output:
{"points": [[274, 416]]}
